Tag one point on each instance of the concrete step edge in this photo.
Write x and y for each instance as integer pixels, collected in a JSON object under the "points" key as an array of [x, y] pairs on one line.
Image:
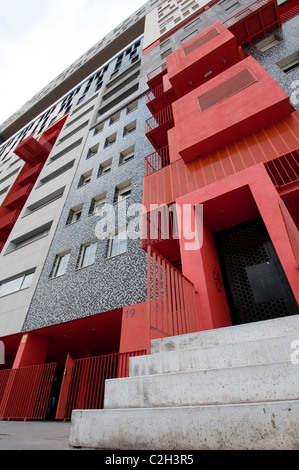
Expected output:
{"points": [[153, 358]]}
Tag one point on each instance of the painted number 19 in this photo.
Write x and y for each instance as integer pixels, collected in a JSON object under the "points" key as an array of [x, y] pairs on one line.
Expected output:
{"points": [[130, 313]]}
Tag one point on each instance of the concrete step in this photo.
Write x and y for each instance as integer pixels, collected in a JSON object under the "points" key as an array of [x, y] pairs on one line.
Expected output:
{"points": [[254, 426], [228, 335], [263, 382], [266, 350]]}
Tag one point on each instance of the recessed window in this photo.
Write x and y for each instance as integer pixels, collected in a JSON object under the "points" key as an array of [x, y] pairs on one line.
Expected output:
{"points": [[87, 254], [289, 63], [132, 106], [123, 191], [99, 128], [114, 118], [117, 243], [92, 151], [264, 44], [60, 264], [74, 214], [17, 283], [29, 237], [97, 203], [127, 154], [85, 178], [110, 140], [105, 167], [130, 128]]}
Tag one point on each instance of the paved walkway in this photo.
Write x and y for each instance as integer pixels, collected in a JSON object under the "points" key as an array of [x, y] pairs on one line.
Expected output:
{"points": [[34, 435]]}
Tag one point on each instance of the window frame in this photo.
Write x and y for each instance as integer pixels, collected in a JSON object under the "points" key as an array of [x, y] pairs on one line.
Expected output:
{"points": [[57, 264], [115, 237], [83, 251]]}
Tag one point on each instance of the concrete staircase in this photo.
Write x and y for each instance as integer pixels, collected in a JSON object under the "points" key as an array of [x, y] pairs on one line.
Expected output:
{"points": [[231, 388]]}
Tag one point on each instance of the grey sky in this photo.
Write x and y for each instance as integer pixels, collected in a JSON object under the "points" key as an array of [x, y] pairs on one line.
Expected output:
{"points": [[39, 39]]}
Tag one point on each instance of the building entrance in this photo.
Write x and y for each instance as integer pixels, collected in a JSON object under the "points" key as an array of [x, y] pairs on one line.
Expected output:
{"points": [[255, 283]]}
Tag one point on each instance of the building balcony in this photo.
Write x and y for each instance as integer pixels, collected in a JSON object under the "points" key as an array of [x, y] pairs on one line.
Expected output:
{"points": [[284, 171], [32, 151], [254, 21], [30, 175], [17, 199], [156, 161], [160, 230], [229, 107], [159, 98], [157, 126], [154, 78], [202, 58], [7, 223]]}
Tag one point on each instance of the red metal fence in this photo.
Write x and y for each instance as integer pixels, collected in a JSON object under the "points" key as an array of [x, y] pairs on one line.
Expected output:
{"points": [[285, 169], [88, 379], [156, 161], [25, 392], [164, 116], [171, 302]]}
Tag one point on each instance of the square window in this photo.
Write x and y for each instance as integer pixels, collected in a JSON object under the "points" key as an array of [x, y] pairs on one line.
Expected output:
{"points": [[110, 140], [99, 128], [87, 254], [289, 63], [74, 214], [123, 191], [132, 106], [85, 178], [60, 264], [97, 203], [130, 128], [127, 155], [105, 167], [92, 151], [114, 118], [117, 243]]}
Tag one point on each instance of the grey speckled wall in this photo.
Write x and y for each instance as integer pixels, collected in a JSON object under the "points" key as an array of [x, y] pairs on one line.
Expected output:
{"points": [[288, 38], [109, 283]]}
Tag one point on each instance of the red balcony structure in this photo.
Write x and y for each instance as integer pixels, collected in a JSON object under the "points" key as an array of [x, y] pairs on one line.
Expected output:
{"points": [[202, 58], [236, 103], [34, 153]]}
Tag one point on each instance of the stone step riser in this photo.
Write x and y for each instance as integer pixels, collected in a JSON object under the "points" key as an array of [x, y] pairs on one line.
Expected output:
{"points": [[265, 382], [235, 334], [263, 426], [229, 355]]}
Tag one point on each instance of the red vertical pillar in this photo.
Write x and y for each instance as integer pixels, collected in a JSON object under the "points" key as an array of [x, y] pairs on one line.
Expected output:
{"points": [[32, 351]]}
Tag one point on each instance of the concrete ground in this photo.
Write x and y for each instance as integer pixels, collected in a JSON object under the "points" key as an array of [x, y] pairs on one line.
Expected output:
{"points": [[34, 435]]}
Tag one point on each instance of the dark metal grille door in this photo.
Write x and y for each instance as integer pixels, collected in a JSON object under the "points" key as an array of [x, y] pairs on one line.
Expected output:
{"points": [[255, 284]]}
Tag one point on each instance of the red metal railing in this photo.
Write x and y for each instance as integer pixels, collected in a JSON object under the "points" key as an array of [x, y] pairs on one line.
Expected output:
{"points": [[159, 225], [26, 392], [156, 161], [245, 12], [164, 116], [88, 379], [154, 73], [155, 93], [171, 302], [285, 169]]}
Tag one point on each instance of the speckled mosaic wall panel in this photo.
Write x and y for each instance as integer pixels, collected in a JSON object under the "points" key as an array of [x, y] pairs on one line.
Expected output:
{"points": [[108, 283]]}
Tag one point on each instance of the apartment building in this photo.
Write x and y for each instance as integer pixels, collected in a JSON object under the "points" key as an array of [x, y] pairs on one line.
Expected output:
{"points": [[188, 111]]}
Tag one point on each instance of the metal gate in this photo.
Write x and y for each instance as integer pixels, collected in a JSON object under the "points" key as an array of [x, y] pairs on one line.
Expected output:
{"points": [[255, 283], [87, 385], [25, 392]]}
